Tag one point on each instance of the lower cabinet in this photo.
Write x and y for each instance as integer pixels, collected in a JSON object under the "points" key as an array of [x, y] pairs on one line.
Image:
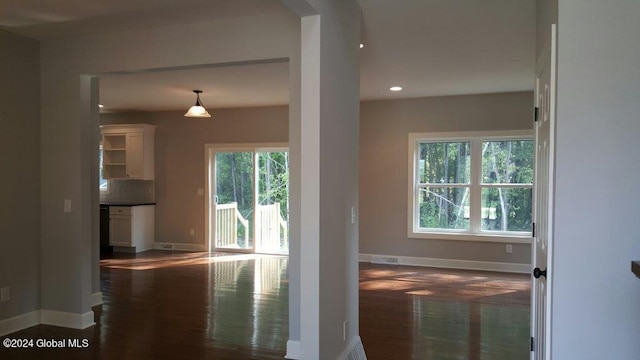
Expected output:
{"points": [[131, 228]]}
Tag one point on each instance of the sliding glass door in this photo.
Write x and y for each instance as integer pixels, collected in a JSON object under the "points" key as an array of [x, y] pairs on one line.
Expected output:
{"points": [[272, 208], [248, 208], [233, 200]]}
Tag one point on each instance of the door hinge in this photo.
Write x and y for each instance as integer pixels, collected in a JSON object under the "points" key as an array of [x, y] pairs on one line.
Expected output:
{"points": [[532, 344], [535, 113]]}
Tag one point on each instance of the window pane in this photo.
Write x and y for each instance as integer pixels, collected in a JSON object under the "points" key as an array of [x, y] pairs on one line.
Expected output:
{"points": [[104, 185], [443, 208], [234, 200], [444, 162], [505, 209], [507, 162], [272, 212]]}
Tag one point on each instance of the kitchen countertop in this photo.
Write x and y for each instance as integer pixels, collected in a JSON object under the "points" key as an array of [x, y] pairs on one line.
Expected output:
{"points": [[124, 204], [635, 268]]}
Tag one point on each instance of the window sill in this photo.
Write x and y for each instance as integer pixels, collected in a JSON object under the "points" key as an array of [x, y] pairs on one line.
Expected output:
{"points": [[484, 237]]}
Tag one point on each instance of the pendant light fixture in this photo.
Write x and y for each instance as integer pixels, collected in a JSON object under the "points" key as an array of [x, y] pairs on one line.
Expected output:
{"points": [[197, 110]]}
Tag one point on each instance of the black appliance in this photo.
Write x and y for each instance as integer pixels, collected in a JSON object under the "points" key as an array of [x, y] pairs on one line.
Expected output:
{"points": [[105, 248]]}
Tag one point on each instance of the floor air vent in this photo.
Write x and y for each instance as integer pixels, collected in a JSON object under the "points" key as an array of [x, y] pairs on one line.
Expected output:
{"points": [[384, 260], [166, 246], [357, 353]]}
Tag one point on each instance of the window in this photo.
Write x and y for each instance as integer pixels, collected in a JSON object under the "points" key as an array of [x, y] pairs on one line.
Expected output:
{"points": [[471, 186], [104, 183]]}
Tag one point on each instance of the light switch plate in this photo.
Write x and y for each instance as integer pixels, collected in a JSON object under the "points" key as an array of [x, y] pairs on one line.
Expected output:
{"points": [[67, 205], [200, 192]]}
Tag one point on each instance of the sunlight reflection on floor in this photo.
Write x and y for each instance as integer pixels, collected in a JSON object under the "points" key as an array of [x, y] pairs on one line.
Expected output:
{"points": [[187, 259]]}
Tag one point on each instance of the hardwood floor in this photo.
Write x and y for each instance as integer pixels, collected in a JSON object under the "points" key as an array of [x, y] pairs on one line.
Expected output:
{"points": [[424, 313], [179, 305], [176, 305]]}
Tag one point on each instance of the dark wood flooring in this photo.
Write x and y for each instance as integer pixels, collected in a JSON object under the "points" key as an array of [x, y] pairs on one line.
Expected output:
{"points": [[175, 305], [417, 313]]}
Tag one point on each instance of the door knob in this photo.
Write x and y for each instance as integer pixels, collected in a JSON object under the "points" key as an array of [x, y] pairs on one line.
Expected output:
{"points": [[537, 273]]}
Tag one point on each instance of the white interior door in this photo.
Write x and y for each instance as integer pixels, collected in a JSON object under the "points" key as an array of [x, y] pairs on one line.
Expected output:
{"points": [[543, 230]]}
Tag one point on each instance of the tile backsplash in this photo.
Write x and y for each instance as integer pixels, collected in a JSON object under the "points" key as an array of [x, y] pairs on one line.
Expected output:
{"points": [[129, 191]]}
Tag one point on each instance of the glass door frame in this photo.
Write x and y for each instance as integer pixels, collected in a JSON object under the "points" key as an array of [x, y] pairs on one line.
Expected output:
{"points": [[210, 181]]}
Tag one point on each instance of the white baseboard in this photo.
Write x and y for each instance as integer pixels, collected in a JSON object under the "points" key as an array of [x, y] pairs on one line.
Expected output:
{"points": [[65, 319], [452, 263], [293, 350], [179, 246], [96, 299], [50, 317], [19, 322], [88, 320]]}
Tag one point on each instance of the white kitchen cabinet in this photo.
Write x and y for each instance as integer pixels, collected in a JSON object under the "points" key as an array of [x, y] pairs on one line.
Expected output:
{"points": [[128, 151], [131, 228]]}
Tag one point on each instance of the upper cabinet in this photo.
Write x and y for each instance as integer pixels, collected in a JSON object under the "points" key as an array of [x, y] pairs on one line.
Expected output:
{"points": [[128, 151]]}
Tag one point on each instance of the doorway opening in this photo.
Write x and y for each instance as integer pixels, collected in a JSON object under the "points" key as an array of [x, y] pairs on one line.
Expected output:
{"points": [[247, 206]]}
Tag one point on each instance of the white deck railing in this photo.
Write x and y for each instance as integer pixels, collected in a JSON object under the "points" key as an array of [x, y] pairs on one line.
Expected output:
{"points": [[227, 219], [271, 230]]}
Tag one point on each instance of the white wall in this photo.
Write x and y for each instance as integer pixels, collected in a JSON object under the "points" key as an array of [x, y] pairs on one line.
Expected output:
{"points": [[180, 160], [69, 123], [329, 135], [596, 298], [384, 130], [20, 180], [546, 14], [339, 129]]}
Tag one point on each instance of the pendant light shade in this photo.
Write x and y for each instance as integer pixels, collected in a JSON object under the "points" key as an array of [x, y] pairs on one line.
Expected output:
{"points": [[197, 110]]}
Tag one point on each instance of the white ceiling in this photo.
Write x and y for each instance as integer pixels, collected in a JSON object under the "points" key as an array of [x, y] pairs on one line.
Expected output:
{"points": [[429, 47], [45, 19], [229, 86]]}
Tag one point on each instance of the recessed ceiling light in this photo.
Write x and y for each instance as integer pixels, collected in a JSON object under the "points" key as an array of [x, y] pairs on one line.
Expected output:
{"points": [[100, 106], [361, 46], [395, 88]]}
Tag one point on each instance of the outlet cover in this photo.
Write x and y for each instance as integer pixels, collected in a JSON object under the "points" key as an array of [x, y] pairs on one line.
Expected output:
{"points": [[5, 294], [509, 248]]}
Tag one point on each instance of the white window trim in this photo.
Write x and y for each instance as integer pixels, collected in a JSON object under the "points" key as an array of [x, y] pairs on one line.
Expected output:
{"points": [[476, 160]]}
